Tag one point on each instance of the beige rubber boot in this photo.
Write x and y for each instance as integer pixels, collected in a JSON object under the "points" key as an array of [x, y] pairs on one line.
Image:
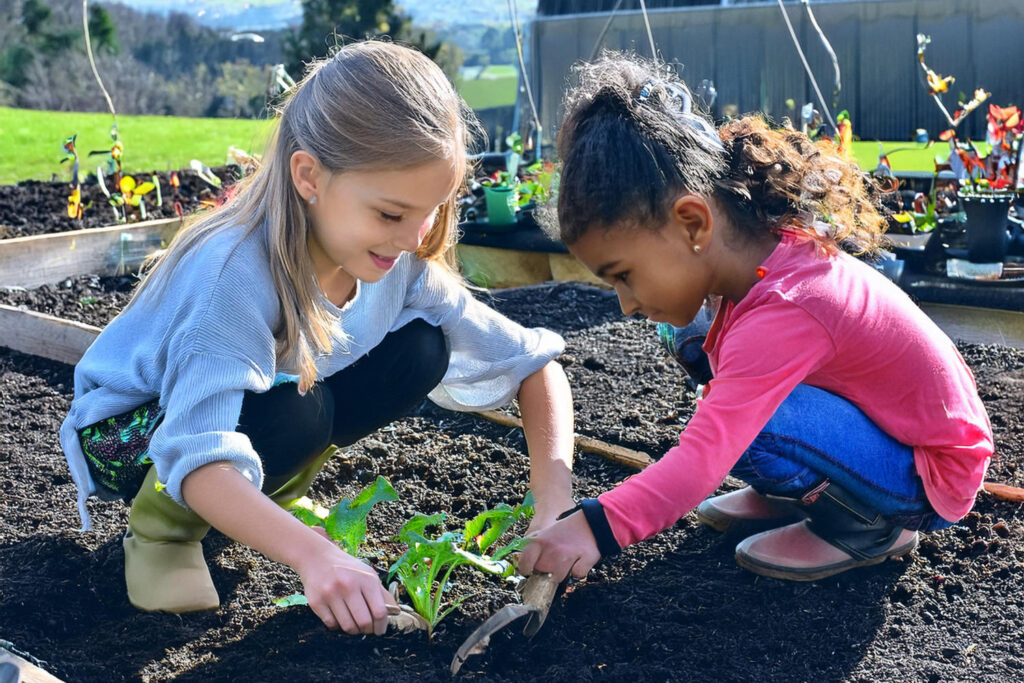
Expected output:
{"points": [[164, 568], [286, 492]]}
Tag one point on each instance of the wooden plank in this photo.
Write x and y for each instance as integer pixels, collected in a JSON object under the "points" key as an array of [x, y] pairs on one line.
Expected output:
{"points": [[915, 242], [14, 668], [44, 335], [45, 259], [978, 325]]}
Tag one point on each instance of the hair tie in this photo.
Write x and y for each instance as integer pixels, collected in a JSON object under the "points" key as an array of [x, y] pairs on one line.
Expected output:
{"points": [[696, 123], [645, 91]]}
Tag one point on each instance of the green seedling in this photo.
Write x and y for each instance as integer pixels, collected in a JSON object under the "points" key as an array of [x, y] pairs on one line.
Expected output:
{"points": [[425, 569], [345, 523]]}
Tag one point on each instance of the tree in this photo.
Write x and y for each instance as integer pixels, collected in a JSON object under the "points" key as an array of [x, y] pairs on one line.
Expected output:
{"points": [[326, 23], [102, 31], [34, 15], [329, 23], [14, 64]]}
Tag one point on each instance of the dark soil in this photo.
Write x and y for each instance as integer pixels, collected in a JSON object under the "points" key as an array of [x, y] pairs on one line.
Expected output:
{"points": [[675, 607], [35, 207]]}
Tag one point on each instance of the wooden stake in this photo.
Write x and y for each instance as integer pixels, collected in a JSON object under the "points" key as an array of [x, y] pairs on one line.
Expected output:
{"points": [[619, 454], [1004, 492]]}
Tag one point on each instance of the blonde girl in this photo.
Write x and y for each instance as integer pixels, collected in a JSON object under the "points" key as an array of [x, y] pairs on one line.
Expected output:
{"points": [[316, 306]]}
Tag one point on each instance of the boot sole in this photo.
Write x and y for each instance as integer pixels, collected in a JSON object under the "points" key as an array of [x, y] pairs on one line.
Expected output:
{"points": [[814, 573]]}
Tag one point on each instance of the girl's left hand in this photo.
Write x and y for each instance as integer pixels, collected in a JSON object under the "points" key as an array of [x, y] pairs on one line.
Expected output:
{"points": [[546, 513], [566, 546]]}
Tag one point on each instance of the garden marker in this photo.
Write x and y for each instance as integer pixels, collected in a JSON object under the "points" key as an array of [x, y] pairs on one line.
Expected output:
{"points": [[75, 208]]}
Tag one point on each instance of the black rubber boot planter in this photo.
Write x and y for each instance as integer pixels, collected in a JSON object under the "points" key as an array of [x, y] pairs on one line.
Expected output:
{"points": [[987, 220]]}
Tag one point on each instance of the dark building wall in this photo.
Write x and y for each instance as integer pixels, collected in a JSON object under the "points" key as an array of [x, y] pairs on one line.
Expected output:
{"points": [[747, 52]]}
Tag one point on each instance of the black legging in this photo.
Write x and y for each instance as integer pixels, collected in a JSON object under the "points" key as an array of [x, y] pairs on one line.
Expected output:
{"points": [[288, 430]]}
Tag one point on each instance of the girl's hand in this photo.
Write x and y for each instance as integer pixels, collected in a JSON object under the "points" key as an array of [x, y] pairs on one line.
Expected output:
{"points": [[546, 513], [345, 593], [566, 546]]}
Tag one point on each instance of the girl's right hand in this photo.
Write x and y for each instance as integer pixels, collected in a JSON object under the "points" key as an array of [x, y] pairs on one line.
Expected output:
{"points": [[345, 593]]}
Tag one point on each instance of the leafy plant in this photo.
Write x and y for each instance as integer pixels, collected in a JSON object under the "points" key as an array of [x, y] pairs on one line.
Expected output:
{"points": [[425, 569], [345, 522]]}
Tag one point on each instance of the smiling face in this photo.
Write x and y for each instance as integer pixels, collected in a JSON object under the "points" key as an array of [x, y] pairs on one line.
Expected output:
{"points": [[654, 272], [362, 221]]}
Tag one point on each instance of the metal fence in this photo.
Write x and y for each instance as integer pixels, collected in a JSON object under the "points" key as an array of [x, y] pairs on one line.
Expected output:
{"points": [[748, 53]]}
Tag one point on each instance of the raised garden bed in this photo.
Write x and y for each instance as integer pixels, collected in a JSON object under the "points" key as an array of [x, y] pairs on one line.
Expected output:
{"points": [[673, 608], [35, 207]]}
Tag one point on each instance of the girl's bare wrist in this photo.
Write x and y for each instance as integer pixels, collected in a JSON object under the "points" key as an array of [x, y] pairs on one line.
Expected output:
{"points": [[311, 549]]}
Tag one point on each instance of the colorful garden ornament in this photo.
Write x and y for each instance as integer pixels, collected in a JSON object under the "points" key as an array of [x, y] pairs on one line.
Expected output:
{"points": [[75, 208], [937, 84]]}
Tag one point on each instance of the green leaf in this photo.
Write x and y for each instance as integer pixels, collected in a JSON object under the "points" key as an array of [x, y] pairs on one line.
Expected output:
{"points": [[484, 529], [308, 512], [417, 569], [514, 142], [417, 526], [346, 522], [514, 547], [292, 600]]}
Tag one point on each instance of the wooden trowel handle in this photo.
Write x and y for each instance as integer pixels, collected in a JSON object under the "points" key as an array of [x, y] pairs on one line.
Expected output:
{"points": [[538, 593]]}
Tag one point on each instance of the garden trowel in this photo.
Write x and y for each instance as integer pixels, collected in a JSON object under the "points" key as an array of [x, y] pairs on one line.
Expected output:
{"points": [[538, 593]]}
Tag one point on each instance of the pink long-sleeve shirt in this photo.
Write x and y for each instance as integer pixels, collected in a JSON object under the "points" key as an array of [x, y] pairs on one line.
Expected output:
{"points": [[833, 322]]}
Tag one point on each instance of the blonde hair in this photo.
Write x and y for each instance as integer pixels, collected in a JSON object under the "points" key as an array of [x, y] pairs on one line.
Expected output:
{"points": [[372, 105]]}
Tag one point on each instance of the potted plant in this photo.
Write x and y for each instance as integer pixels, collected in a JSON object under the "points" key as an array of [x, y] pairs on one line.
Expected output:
{"points": [[501, 189], [989, 185]]}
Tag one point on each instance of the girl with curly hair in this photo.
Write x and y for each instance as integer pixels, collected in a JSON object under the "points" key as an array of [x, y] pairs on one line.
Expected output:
{"points": [[852, 417]]}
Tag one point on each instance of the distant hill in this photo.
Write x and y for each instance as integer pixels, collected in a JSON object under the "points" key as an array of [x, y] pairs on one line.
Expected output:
{"points": [[253, 15]]}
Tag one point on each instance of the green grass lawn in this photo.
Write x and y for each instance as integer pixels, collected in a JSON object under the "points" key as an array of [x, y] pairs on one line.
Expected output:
{"points": [[493, 86], [30, 141], [905, 156]]}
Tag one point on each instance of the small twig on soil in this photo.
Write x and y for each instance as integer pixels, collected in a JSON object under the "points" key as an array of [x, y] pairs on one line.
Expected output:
{"points": [[619, 454], [639, 460]]}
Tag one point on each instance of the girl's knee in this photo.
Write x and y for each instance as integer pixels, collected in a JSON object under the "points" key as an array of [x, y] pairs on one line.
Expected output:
{"points": [[287, 428], [426, 352]]}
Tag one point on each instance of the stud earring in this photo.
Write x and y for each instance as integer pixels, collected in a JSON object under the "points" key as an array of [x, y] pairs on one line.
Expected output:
{"points": [[312, 199], [696, 249]]}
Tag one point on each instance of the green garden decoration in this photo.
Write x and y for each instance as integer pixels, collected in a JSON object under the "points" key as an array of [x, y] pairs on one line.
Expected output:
{"points": [[502, 205]]}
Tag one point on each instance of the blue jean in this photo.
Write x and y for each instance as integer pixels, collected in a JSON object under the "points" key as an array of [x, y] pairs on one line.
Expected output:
{"points": [[816, 435]]}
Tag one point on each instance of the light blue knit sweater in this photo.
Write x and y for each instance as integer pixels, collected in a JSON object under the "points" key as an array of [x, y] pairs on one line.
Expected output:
{"points": [[208, 338]]}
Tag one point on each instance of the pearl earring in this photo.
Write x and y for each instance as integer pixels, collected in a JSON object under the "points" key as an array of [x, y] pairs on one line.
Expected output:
{"points": [[696, 249]]}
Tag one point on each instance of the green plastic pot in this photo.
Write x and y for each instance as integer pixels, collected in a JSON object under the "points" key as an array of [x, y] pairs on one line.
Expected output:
{"points": [[502, 204]]}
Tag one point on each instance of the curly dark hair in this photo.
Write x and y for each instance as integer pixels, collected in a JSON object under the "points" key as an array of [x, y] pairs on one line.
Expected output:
{"points": [[631, 142]]}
